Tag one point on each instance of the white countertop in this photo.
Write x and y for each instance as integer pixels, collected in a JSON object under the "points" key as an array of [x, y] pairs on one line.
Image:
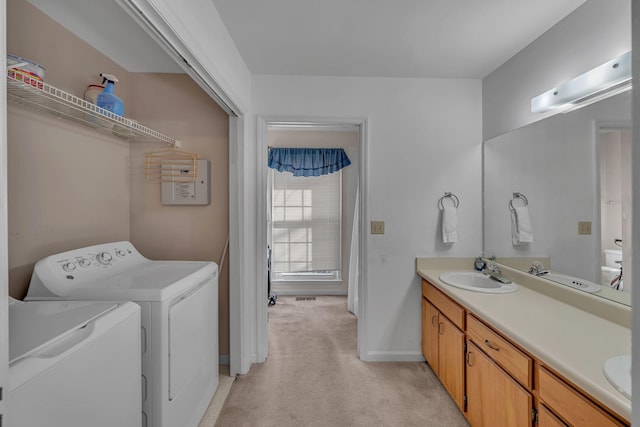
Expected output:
{"points": [[571, 341]]}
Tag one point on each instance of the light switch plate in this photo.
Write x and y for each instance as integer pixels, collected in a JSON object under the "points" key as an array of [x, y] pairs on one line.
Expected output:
{"points": [[377, 227], [584, 227]]}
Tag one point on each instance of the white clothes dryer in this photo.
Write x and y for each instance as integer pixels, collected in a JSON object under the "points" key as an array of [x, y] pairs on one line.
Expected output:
{"points": [[179, 301], [74, 364]]}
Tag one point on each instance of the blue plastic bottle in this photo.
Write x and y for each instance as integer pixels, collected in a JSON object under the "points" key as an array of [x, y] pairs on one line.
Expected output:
{"points": [[107, 99]]}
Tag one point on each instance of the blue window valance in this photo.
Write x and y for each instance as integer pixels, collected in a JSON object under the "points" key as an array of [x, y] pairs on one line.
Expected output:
{"points": [[308, 161]]}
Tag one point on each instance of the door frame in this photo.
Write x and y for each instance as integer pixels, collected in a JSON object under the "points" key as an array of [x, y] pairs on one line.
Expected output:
{"points": [[4, 235], [263, 123]]}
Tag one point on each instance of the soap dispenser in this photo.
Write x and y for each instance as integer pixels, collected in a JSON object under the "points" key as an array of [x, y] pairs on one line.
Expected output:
{"points": [[107, 99]]}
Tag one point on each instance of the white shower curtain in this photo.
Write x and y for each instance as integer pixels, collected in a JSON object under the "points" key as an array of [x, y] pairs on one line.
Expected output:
{"points": [[352, 293]]}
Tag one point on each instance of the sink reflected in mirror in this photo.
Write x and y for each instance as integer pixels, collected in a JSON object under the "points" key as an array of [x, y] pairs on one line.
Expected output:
{"points": [[573, 282], [477, 282], [617, 370]]}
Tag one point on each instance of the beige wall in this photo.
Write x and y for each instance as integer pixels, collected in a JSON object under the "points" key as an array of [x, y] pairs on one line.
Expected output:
{"points": [[70, 186], [174, 105], [70, 63]]}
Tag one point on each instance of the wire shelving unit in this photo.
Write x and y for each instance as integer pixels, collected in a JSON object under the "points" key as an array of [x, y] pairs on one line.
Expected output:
{"points": [[39, 96]]}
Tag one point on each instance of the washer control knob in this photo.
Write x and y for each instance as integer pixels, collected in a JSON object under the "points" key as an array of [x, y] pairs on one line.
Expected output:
{"points": [[120, 253], [104, 258], [84, 262], [69, 266]]}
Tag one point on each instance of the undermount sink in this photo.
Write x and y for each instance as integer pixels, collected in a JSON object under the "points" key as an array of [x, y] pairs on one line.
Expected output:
{"points": [[617, 370], [573, 282], [475, 281]]}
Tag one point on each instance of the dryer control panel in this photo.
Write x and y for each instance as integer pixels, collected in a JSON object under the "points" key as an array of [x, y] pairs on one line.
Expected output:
{"points": [[94, 257], [104, 258], [85, 265]]}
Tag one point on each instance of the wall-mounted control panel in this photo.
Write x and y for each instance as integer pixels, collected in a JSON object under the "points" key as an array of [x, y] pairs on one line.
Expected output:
{"points": [[196, 192]]}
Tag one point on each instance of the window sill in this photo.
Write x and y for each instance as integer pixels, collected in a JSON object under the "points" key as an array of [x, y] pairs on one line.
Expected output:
{"points": [[307, 281]]}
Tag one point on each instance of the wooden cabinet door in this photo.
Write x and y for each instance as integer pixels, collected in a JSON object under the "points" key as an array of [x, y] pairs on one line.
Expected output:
{"points": [[451, 359], [494, 399], [479, 375], [547, 419], [430, 319]]}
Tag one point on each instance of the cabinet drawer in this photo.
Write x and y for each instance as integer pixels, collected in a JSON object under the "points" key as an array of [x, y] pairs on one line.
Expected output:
{"points": [[569, 404], [512, 360], [444, 304]]}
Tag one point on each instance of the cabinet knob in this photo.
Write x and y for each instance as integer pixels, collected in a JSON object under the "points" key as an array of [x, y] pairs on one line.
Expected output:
{"points": [[441, 328], [469, 358], [434, 319]]}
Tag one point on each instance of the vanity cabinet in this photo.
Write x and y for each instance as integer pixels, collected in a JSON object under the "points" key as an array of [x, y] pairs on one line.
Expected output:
{"points": [[569, 404], [443, 340], [430, 319], [518, 364], [494, 398], [499, 379], [491, 379]]}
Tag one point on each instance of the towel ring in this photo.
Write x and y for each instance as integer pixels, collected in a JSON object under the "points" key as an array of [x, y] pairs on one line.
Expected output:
{"points": [[518, 196], [453, 197]]}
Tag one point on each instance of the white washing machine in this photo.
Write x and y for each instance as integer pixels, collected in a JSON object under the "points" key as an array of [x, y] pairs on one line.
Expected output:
{"points": [[179, 301], [74, 364]]}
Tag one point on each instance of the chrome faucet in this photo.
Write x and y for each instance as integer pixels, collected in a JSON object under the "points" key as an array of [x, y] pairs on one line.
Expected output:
{"points": [[537, 269], [494, 272], [492, 266]]}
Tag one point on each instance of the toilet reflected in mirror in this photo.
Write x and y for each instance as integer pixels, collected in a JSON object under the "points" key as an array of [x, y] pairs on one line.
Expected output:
{"points": [[611, 267], [615, 193]]}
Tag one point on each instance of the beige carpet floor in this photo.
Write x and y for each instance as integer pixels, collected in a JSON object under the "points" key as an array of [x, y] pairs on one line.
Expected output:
{"points": [[312, 377]]}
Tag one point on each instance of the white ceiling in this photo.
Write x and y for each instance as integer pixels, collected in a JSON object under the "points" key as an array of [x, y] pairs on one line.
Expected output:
{"points": [[379, 38], [386, 38]]}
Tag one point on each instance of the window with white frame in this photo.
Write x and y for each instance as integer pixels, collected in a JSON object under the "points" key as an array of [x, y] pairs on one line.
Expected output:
{"points": [[306, 230]]}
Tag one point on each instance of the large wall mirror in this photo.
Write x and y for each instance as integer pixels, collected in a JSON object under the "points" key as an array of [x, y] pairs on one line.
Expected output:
{"points": [[574, 170]]}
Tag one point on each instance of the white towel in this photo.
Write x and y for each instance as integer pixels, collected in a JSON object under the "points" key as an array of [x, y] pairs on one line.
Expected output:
{"points": [[521, 231], [449, 224]]}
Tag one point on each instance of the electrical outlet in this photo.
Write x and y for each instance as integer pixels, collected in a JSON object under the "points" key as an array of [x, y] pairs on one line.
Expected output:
{"points": [[584, 227], [377, 227]]}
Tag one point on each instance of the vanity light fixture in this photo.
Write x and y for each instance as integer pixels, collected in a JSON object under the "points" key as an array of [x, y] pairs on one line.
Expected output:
{"points": [[605, 80]]}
